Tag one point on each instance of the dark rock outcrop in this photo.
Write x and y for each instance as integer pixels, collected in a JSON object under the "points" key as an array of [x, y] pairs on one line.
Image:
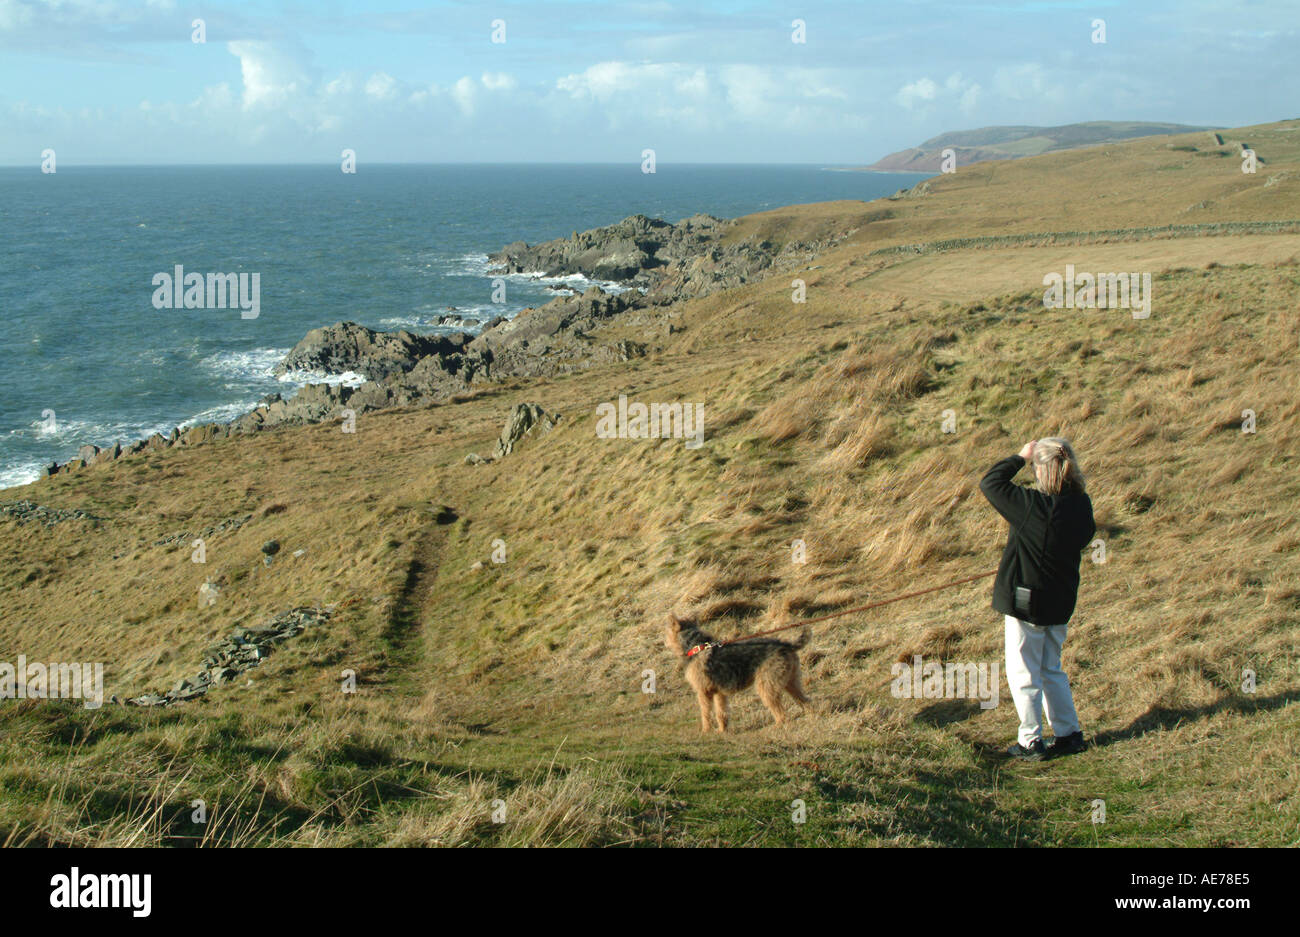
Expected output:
{"points": [[524, 418], [666, 262], [348, 346], [635, 251]]}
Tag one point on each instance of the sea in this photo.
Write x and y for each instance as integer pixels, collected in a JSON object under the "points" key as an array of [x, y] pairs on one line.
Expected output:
{"points": [[86, 355]]}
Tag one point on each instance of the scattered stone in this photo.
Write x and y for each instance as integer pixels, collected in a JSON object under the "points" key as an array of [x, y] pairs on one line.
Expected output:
{"points": [[24, 511], [230, 523], [244, 649], [271, 547], [208, 593]]}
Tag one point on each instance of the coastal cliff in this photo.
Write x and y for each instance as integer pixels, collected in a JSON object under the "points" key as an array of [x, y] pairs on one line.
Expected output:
{"points": [[657, 264]]}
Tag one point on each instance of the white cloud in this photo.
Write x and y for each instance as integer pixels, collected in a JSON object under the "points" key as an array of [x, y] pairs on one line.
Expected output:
{"points": [[424, 94], [751, 90], [215, 97], [341, 85], [925, 94], [465, 94], [1028, 82], [381, 86], [701, 96], [14, 15], [693, 85], [922, 89], [603, 80], [499, 81], [272, 75]]}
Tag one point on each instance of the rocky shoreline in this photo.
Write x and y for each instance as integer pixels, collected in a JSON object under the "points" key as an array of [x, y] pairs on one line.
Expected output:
{"points": [[659, 263]]}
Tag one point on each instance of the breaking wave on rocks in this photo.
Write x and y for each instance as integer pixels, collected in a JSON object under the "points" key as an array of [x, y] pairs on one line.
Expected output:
{"points": [[21, 474], [428, 318], [478, 265], [347, 378], [245, 367], [219, 414], [575, 281], [256, 370], [70, 434]]}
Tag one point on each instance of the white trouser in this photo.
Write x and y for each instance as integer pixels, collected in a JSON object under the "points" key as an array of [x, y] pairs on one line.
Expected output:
{"points": [[1037, 681]]}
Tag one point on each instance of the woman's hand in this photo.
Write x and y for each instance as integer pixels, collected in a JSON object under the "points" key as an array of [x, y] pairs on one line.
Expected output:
{"points": [[1027, 451]]}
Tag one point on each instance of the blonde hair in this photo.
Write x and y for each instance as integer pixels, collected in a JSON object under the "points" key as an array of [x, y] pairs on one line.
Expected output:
{"points": [[1057, 467]]}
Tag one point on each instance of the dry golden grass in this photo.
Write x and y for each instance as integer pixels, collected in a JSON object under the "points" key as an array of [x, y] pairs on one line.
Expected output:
{"points": [[521, 681]]}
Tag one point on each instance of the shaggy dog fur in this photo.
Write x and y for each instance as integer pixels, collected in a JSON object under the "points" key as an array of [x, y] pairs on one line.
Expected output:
{"points": [[716, 672]]}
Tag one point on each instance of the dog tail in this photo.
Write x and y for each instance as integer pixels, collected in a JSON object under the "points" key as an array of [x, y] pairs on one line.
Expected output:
{"points": [[804, 637]]}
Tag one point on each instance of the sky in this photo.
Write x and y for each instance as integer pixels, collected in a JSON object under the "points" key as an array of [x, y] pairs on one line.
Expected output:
{"points": [[112, 82]]}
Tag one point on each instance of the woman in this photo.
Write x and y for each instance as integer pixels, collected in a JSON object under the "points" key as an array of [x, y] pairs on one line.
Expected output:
{"points": [[1037, 585]]}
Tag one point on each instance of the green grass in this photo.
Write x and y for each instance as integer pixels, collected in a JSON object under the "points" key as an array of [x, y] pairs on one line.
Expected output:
{"points": [[521, 682]]}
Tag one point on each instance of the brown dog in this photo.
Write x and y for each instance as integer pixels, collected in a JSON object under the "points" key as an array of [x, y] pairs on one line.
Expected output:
{"points": [[716, 672]]}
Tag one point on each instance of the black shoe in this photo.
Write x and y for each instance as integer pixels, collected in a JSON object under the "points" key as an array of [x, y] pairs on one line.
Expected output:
{"points": [[1067, 745], [1035, 752]]}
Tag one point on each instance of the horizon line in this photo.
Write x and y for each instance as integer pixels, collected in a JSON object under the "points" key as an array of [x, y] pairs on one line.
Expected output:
{"points": [[35, 164]]}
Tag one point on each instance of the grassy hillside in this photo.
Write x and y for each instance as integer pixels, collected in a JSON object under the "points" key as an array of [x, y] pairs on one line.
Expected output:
{"points": [[1013, 142], [520, 681]]}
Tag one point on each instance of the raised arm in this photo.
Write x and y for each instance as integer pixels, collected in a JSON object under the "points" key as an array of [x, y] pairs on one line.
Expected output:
{"points": [[1010, 500]]}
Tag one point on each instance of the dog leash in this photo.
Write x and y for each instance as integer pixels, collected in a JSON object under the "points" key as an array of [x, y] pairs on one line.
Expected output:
{"points": [[848, 611]]}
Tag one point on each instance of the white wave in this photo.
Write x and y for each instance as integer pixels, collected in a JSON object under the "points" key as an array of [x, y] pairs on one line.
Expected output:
{"points": [[474, 316], [479, 265], [222, 413], [21, 474], [347, 378], [575, 281], [406, 322], [58, 428], [468, 265], [255, 365]]}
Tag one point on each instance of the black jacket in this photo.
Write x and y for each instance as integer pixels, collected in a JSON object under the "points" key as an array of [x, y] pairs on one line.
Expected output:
{"points": [[1048, 532]]}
